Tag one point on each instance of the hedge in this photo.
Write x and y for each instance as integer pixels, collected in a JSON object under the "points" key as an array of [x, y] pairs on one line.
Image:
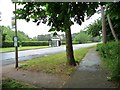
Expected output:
{"points": [[110, 53], [25, 43], [73, 42], [34, 43], [8, 44]]}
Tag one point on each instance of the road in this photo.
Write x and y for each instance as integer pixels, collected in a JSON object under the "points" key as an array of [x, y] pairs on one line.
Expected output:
{"points": [[9, 57]]}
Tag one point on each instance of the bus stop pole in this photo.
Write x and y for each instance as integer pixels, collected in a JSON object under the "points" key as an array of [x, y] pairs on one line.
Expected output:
{"points": [[16, 47]]}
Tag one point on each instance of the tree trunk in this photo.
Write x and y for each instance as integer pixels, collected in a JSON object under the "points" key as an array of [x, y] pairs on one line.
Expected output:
{"points": [[103, 25], [69, 48], [111, 27]]}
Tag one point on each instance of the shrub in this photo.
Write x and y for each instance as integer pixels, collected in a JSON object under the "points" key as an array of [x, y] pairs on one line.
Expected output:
{"points": [[110, 53], [73, 42], [34, 43], [82, 37], [8, 44]]}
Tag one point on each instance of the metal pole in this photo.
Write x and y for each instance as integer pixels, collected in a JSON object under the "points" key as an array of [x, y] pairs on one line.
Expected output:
{"points": [[16, 47]]}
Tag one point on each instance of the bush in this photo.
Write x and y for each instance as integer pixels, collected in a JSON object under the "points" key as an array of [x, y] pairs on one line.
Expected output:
{"points": [[25, 43], [82, 37], [34, 43], [73, 42], [110, 53], [8, 44]]}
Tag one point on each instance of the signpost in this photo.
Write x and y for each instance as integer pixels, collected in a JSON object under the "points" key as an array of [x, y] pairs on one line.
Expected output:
{"points": [[14, 25]]}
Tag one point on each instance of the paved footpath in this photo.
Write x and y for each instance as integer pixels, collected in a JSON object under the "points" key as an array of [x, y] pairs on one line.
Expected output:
{"points": [[37, 79], [89, 74]]}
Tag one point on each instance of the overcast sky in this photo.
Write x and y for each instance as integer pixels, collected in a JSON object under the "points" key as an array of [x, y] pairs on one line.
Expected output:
{"points": [[31, 29]]}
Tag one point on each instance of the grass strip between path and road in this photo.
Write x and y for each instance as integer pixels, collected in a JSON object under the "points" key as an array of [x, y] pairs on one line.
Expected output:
{"points": [[22, 48], [54, 64]]}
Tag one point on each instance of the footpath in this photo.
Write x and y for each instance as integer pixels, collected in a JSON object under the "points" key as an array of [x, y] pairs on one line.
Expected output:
{"points": [[89, 74]]}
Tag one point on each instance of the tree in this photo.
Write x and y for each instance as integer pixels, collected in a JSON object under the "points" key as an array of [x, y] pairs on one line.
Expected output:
{"points": [[58, 16], [82, 37], [2, 34], [8, 34], [45, 37], [95, 28], [103, 25], [114, 13], [111, 27]]}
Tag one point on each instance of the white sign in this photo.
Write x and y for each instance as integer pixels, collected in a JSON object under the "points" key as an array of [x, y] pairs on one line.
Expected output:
{"points": [[15, 41]]}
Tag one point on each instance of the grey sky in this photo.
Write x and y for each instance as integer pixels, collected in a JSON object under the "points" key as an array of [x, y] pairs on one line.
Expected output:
{"points": [[31, 29]]}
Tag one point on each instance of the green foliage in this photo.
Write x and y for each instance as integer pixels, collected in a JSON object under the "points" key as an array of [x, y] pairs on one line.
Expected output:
{"points": [[22, 36], [42, 37], [54, 64], [113, 10], [24, 43], [82, 37], [73, 42], [57, 14], [8, 83], [9, 34], [34, 43], [95, 28], [110, 53], [8, 44]]}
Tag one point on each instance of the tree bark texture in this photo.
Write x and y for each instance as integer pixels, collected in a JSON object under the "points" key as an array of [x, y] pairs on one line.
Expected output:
{"points": [[69, 48], [111, 27], [103, 25]]}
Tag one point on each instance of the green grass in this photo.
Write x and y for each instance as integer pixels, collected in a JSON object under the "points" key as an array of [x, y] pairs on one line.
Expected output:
{"points": [[9, 83], [110, 54], [55, 64], [22, 48]]}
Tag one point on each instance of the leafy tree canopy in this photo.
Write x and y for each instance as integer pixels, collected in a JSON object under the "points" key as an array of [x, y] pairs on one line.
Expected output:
{"points": [[58, 15], [9, 34], [95, 28], [82, 37]]}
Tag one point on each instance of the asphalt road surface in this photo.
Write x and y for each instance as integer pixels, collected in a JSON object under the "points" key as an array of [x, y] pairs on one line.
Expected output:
{"points": [[9, 57]]}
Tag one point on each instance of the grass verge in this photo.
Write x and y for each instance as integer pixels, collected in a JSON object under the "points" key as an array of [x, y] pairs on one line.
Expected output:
{"points": [[55, 64], [110, 54], [9, 83], [21, 48]]}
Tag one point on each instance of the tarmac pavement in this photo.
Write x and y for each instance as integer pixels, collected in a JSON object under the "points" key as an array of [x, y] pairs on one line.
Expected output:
{"points": [[90, 74]]}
